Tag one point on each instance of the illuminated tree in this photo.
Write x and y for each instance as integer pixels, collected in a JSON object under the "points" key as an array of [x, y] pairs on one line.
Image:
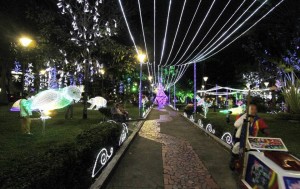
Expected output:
{"points": [[91, 23]]}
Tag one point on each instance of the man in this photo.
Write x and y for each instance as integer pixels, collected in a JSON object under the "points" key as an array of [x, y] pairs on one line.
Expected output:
{"points": [[256, 124], [69, 111], [25, 113]]}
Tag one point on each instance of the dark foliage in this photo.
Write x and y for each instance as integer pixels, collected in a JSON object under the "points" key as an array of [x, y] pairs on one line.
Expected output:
{"points": [[66, 166]]}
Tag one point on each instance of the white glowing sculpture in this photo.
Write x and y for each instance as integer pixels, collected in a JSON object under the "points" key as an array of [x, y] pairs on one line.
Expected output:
{"points": [[55, 99], [210, 129], [97, 102]]}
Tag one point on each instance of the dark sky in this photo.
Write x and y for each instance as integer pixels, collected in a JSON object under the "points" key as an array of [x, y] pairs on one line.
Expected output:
{"points": [[221, 68]]}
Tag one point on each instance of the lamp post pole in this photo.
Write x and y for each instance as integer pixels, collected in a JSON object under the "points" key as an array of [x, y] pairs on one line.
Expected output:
{"points": [[141, 58], [195, 90], [174, 96], [140, 92]]}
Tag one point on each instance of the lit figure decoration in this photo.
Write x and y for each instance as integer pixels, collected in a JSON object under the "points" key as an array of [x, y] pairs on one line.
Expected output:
{"points": [[97, 102], [101, 160], [234, 111], [161, 98], [205, 105], [55, 99], [123, 134]]}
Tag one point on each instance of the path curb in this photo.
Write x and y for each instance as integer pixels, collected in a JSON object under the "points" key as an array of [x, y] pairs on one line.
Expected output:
{"points": [[104, 176]]}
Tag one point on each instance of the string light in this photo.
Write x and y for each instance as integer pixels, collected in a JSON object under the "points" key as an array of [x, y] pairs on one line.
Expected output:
{"points": [[186, 33], [200, 27], [233, 30], [178, 26], [166, 31]]}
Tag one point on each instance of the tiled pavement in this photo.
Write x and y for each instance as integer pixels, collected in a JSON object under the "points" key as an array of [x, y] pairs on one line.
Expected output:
{"points": [[181, 166]]}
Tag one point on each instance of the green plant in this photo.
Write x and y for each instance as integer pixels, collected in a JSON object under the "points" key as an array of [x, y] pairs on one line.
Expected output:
{"points": [[291, 95]]}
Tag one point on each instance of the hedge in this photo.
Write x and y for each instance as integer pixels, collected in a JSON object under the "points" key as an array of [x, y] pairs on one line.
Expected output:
{"points": [[65, 166]]}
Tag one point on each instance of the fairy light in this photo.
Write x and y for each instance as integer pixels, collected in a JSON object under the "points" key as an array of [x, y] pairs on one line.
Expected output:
{"points": [[145, 43], [211, 46], [245, 30], [154, 33], [166, 31], [127, 25], [200, 27], [187, 31], [208, 30], [182, 10]]}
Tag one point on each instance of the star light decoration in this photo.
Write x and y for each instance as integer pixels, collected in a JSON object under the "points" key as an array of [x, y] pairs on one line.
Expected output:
{"points": [[16, 72], [29, 79], [89, 25]]}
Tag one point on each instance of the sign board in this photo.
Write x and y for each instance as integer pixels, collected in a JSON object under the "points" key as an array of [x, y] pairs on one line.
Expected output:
{"points": [[266, 143]]}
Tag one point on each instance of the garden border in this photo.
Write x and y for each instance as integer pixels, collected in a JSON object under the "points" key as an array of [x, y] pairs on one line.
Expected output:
{"points": [[101, 180], [218, 140]]}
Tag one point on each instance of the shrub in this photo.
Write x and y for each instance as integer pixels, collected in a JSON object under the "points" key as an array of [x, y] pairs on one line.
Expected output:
{"points": [[65, 166], [105, 111]]}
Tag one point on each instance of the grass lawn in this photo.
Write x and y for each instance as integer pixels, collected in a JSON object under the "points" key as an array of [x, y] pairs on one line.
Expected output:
{"points": [[288, 131], [14, 145]]}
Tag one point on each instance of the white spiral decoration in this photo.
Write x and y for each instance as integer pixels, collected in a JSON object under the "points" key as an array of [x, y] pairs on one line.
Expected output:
{"points": [[123, 134], [200, 124], [192, 118], [101, 160], [227, 137], [210, 129], [184, 114]]}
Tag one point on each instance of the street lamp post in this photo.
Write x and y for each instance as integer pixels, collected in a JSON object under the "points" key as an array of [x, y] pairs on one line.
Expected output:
{"points": [[205, 80], [151, 84], [266, 85], [25, 42], [102, 72], [141, 58]]}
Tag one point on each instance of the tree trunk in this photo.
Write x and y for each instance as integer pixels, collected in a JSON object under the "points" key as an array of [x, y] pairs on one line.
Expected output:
{"points": [[86, 87], [3, 95]]}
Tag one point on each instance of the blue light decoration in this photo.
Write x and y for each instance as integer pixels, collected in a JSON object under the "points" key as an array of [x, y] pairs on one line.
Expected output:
{"points": [[53, 83], [29, 79], [121, 88], [16, 72]]}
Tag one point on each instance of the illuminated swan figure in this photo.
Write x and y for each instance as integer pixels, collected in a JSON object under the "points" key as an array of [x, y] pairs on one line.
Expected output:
{"points": [[55, 99]]}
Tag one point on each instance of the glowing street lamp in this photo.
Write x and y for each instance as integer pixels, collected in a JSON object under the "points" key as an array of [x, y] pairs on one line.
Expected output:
{"points": [[25, 41], [150, 78], [42, 72], [141, 58], [266, 84], [205, 80]]}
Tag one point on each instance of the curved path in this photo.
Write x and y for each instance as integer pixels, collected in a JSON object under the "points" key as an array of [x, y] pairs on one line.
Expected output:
{"points": [[170, 152]]}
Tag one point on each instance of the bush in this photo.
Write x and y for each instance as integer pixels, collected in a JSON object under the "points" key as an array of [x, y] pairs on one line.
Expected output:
{"points": [[66, 166], [106, 112]]}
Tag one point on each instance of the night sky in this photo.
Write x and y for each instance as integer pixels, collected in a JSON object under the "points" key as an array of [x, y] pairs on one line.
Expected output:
{"points": [[224, 68]]}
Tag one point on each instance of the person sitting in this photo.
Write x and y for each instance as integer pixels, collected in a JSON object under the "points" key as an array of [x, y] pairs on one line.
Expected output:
{"points": [[189, 109], [117, 114], [256, 124], [126, 114]]}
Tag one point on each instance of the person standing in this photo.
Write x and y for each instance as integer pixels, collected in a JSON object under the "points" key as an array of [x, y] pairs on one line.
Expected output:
{"points": [[25, 113], [69, 111], [256, 124]]}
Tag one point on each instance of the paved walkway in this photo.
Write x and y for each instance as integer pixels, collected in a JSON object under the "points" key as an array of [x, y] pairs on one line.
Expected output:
{"points": [[171, 153]]}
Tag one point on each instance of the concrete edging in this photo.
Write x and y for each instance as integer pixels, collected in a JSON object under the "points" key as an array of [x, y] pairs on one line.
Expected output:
{"points": [[218, 140], [103, 177]]}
